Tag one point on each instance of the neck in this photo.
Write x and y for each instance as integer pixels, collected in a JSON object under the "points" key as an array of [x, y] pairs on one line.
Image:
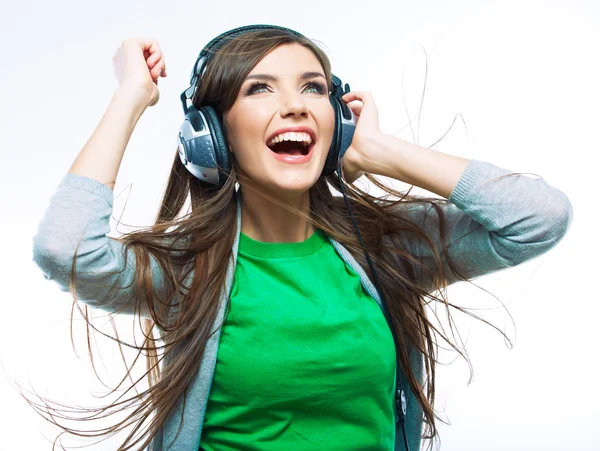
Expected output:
{"points": [[264, 220]]}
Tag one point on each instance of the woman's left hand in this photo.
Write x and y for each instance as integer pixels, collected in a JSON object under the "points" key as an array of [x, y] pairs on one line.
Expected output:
{"points": [[356, 160]]}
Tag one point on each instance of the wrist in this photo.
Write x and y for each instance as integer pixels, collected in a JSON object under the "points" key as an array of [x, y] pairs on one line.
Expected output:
{"points": [[382, 155], [137, 97]]}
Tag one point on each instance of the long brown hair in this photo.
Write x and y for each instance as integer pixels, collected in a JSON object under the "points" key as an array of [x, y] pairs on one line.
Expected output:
{"points": [[193, 249]]}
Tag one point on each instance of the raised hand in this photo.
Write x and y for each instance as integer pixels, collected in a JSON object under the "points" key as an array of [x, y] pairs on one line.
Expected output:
{"points": [[138, 64]]}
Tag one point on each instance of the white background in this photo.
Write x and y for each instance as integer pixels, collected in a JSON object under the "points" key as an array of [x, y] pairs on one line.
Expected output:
{"points": [[518, 78]]}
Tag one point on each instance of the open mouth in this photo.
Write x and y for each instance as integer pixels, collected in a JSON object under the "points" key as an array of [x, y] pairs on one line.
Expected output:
{"points": [[291, 148]]}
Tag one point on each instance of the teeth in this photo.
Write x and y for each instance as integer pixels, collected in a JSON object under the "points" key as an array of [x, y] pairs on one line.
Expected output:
{"points": [[292, 136]]}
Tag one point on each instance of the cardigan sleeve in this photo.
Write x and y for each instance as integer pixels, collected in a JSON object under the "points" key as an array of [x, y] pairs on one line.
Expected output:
{"points": [[489, 224], [79, 212]]}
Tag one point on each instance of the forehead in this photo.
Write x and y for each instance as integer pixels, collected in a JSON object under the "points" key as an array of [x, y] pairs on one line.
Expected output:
{"points": [[287, 59]]}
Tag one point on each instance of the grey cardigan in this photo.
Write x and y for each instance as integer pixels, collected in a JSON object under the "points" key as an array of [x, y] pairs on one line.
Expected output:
{"points": [[522, 218]]}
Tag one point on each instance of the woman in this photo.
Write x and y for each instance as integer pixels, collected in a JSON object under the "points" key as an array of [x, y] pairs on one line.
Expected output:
{"points": [[262, 294]]}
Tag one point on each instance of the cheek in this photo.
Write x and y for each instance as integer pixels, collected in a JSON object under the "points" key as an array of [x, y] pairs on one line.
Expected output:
{"points": [[238, 131], [327, 126], [327, 114]]}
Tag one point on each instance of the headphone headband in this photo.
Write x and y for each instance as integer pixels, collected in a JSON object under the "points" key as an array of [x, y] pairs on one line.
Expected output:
{"points": [[217, 42]]}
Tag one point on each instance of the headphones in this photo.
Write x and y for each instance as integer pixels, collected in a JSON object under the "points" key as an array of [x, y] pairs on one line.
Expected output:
{"points": [[204, 151], [202, 145]]}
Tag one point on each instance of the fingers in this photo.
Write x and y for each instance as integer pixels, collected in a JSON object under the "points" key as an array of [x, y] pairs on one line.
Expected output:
{"points": [[159, 69], [153, 59], [365, 99], [356, 108], [359, 98], [156, 61], [357, 95]]}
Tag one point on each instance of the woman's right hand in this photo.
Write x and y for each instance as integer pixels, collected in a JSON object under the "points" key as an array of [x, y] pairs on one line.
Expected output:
{"points": [[138, 64]]}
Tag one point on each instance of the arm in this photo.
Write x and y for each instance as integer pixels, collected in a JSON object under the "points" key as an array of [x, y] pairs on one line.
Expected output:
{"points": [[437, 172], [81, 209], [101, 156], [488, 226], [491, 226]]}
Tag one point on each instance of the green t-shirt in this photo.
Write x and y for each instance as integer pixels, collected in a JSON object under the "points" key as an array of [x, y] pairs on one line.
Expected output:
{"points": [[306, 359]]}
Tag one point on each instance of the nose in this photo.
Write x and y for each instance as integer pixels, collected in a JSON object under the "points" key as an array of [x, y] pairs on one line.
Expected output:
{"points": [[294, 104]]}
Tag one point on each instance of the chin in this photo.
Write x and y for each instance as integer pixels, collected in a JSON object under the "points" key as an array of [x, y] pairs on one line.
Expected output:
{"points": [[295, 186], [287, 184]]}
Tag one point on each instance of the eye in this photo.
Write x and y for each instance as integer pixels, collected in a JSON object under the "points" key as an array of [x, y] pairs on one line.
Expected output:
{"points": [[258, 85], [320, 87], [254, 87]]}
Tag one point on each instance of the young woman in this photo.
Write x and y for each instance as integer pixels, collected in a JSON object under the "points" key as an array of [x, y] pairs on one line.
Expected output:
{"points": [[273, 331]]}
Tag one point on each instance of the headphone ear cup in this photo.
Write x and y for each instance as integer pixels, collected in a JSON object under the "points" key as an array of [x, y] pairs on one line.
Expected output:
{"points": [[334, 149], [220, 144]]}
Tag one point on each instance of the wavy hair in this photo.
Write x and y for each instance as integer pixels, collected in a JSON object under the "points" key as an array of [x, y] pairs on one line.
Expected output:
{"points": [[193, 248]]}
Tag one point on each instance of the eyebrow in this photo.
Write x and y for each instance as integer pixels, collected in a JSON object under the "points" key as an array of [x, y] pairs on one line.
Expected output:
{"points": [[302, 76]]}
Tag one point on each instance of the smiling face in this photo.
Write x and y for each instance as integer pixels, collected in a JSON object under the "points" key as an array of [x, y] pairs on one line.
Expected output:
{"points": [[284, 98]]}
